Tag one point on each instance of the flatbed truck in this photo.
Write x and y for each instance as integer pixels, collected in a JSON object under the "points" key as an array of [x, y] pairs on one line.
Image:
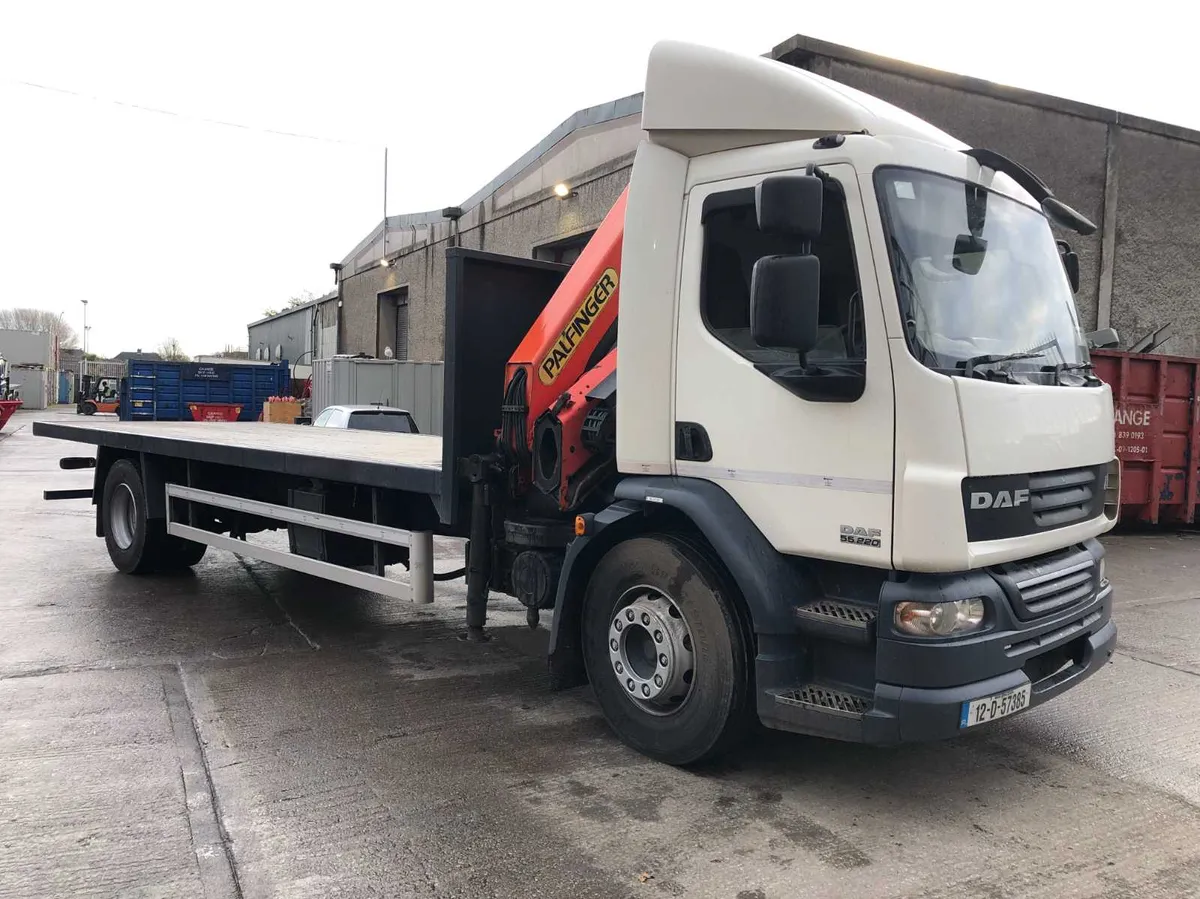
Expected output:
{"points": [[846, 480]]}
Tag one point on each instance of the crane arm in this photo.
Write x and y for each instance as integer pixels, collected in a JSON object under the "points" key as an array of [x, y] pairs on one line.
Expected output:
{"points": [[573, 335]]}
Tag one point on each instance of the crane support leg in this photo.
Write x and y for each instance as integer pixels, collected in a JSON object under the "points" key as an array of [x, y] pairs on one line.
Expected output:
{"points": [[479, 550]]}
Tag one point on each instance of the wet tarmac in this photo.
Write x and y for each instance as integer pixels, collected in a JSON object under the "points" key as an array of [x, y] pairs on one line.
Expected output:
{"points": [[246, 731]]}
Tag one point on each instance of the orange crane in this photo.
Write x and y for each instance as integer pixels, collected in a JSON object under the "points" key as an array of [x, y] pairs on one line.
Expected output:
{"points": [[559, 415]]}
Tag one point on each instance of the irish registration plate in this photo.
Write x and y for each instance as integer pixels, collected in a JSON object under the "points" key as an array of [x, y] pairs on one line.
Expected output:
{"points": [[990, 708]]}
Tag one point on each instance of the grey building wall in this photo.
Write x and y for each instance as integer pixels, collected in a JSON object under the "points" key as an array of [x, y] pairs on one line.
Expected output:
{"points": [[516, 230], [290, 330], [33, 363], [1156, 270], [1133, 177]]}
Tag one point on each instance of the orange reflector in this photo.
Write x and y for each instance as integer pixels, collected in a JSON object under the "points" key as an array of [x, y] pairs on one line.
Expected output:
{"points": [[580, 525]]}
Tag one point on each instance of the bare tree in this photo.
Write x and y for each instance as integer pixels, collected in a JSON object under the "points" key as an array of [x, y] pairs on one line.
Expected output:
{"points": [[24, 319], [233, 352], [303, 298], [171, 350]]}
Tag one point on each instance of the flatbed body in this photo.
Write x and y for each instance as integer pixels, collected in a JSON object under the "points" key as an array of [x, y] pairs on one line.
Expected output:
{"points": [[407, 462]]}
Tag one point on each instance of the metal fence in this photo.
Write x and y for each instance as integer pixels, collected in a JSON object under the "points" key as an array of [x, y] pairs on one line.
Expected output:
{"points": [[102, 369], [415, 386]]}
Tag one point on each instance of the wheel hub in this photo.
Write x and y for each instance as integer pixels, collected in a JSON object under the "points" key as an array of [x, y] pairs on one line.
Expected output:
{"points": [[650, 648], [122, 518]]}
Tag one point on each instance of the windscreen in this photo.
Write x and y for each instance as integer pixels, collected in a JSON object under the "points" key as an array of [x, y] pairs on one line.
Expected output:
{"points": [[977, 275], [378, 420]]}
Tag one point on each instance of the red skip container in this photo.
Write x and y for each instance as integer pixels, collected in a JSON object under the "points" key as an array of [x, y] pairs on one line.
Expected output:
{"points": [[214, 411], [7, 408], [1156, 403]]}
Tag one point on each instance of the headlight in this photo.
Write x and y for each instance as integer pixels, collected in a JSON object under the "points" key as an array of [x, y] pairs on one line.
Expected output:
{"points": [[939, 619]]}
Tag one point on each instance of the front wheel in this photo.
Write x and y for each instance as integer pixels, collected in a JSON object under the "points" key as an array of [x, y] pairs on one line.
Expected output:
{"points": [[665, 651], [89, 408]]}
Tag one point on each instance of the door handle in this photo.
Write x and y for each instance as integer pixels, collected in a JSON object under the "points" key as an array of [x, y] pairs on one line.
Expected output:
{"points": [[692, 443]]}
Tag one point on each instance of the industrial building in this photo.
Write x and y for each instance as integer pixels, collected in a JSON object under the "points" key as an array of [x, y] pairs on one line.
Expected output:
{"points": [[1130, 175], [295, 335], [33, 362]]}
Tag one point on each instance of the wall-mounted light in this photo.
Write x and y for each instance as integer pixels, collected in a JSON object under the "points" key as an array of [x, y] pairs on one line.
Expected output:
{"points": [[562, 191], [385, 263]]}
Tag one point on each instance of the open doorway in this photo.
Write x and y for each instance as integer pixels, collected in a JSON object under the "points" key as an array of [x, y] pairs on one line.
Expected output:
{"points": [[392, 333]]}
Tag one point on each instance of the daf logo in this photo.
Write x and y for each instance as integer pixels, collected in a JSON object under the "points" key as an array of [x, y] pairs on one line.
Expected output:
{"points": [[1001, 499], [860, 536]]}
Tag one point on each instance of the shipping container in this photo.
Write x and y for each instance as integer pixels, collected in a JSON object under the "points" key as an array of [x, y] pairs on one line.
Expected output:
{"points": [[163, 391], [1158, 432]]}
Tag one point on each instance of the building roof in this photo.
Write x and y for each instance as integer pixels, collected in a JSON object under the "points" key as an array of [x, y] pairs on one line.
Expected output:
{"points": [[136, 354], [584, 118], [801, 50], [293, 309]]}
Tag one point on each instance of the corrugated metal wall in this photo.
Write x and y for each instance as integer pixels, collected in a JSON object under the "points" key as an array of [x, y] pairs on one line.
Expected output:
{"points": [[415, 386]]}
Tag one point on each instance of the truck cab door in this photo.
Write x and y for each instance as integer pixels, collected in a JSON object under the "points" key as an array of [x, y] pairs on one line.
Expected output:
{"points": [[805, 447]]}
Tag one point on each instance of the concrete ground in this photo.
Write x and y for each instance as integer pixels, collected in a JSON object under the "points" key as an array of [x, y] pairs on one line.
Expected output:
{"points": [[245, 731]]}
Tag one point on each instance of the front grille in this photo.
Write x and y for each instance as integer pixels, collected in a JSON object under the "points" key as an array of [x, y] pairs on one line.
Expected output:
{"points": [[1050, 583], [1059, 498]]}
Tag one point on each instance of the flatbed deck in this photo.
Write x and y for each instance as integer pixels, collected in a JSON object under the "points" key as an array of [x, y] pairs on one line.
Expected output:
{"points": [[409, 462]]}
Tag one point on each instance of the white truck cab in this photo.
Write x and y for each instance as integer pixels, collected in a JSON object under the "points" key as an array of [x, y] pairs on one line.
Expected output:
{"points": [[863, 332]]}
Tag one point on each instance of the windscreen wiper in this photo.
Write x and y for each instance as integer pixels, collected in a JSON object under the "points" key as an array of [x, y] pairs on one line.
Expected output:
{"points": [[969, 366], [1063, 367]]}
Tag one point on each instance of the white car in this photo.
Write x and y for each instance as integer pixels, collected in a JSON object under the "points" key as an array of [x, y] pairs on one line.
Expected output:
{"points": [[367, 418]]}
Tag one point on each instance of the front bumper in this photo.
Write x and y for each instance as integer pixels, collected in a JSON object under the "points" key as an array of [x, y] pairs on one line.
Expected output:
{"points": [[915, 714], [915, 689]]}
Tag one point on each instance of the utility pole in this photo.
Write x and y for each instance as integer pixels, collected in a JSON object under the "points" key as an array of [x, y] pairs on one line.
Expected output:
{"points": [[83, 362]]}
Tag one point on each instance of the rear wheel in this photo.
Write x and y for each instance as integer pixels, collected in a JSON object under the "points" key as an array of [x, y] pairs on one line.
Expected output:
{"points": [[133, 543], [179, 553], [665, 651]]}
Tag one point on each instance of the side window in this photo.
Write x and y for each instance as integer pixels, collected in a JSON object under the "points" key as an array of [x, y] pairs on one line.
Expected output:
{"points": [[733, 243], [323, 418]]}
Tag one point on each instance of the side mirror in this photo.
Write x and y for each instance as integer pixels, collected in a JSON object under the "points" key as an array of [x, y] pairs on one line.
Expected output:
{"points": [[790, 204], [784, 301], [1070, 261]]}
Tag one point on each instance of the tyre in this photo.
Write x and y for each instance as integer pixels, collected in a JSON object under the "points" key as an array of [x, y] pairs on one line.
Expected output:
{"points": [[665, 651], [133, 544], [89, 408], [178, 554]]}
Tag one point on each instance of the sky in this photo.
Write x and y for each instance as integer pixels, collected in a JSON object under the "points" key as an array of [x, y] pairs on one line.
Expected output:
{"points": [[171, 224]]}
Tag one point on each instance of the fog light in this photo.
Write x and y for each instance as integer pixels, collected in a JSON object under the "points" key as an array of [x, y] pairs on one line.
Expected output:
{"points": [[1103, 573], [939, 619]]}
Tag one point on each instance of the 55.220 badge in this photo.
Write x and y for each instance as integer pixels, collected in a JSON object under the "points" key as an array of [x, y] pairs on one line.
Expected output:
{"points": [[860, 536]]}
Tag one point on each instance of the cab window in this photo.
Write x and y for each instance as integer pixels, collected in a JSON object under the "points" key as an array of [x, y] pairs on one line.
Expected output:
{"points": [[733, 243]]}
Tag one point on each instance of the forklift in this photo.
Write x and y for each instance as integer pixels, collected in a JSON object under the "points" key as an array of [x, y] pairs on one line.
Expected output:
{"points": [[97, 395]]}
